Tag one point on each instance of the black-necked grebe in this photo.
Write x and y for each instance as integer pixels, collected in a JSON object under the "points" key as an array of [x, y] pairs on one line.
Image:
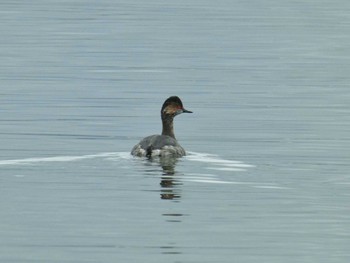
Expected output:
{"points": [[165, 144]]}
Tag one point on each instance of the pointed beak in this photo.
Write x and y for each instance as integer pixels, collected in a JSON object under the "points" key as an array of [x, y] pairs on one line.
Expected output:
{"points": [[179, 111], [186, 111]]}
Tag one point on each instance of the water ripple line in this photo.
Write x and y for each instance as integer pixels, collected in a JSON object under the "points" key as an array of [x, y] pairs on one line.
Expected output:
{"points": [[29, 161]]}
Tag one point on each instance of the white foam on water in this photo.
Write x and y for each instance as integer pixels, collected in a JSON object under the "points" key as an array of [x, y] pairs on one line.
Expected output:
{"points": [[201, 175], [217, 163], [29, 161], [270, 187], [212, 181], [214, 162], [226, 169], [209, 181]]}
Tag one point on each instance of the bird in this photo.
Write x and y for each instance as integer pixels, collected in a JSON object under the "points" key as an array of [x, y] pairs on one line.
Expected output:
{"points": [[164, 145]]}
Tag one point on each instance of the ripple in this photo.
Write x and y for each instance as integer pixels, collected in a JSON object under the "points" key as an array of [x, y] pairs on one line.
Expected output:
{"points": [[217, 163], [29, 161]]}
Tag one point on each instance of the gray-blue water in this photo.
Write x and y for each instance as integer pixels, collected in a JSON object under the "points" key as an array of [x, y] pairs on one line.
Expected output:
{"points": [[266, 178]]}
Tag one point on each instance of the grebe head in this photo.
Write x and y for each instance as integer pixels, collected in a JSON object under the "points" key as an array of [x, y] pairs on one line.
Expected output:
{"points": [[172, 107]]}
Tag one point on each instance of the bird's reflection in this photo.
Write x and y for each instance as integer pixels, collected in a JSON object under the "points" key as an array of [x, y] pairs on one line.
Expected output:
{"points": [[170, 189]]}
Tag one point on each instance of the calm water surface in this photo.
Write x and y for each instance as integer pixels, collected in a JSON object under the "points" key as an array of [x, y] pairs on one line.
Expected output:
{"points": [[266, 178]]}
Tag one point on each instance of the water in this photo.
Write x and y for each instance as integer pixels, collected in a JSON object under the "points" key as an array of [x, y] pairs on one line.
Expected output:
{"points": [[267, 173]]}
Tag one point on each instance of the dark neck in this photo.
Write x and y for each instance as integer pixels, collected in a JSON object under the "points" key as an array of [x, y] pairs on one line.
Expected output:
{"points": [[168, 127]]}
